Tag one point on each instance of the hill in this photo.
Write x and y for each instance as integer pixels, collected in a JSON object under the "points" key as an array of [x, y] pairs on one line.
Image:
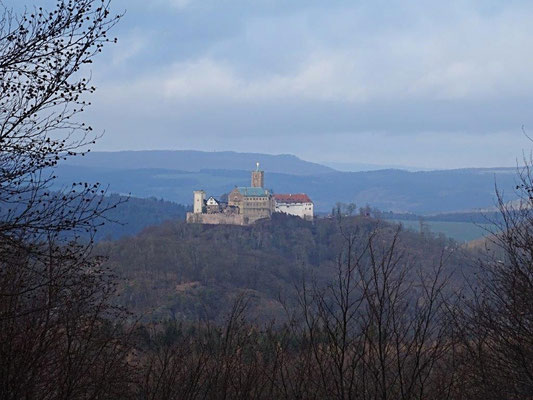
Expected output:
{"points": [[132, 215], [427, 192], [190, 271], [189, 160]]}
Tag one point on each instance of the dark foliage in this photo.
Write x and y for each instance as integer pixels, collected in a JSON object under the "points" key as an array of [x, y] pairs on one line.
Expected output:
{"points": [[190, 271], [127, 216], [376, 330]]}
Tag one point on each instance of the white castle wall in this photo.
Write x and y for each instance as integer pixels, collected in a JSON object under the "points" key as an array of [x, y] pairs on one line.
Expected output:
{"points": [[302, 210]]}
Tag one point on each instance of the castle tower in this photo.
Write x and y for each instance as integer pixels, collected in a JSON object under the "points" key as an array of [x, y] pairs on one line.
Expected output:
{"points": [[199, 197], [258, 178]]}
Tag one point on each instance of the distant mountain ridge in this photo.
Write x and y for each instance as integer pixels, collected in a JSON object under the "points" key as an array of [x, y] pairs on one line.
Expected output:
{"points": [[173, 175], [192, 160], [389, 190]]}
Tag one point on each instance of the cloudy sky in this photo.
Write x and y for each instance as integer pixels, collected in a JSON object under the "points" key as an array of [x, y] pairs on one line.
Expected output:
{"points": [[429, 84]]}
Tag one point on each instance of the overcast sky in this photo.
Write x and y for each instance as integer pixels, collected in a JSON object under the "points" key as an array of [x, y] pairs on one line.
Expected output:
{"points": [[434, 84]]}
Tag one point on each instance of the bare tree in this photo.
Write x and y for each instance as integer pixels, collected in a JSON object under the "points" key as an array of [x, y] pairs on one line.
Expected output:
{"points": [[60, 335], [495, 320], [211, 362], [61, 339], [378, 331], [43, 90]]}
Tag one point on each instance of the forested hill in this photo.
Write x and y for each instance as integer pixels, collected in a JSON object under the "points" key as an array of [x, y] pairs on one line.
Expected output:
{"points": [[189, 160], [428, 192], [127, 216], [185, 271]]}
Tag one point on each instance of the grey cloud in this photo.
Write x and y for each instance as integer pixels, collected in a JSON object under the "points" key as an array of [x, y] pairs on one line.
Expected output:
{"points": [[424, 77]]}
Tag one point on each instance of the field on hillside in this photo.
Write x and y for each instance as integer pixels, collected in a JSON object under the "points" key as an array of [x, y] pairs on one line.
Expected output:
{"points": [[459, 231]]}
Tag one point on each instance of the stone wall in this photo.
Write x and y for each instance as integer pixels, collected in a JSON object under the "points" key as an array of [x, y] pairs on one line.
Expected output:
{"points": [[217, 219]]}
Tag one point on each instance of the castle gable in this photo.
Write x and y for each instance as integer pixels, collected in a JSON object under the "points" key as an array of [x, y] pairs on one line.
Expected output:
{"points": [[212, 201]]}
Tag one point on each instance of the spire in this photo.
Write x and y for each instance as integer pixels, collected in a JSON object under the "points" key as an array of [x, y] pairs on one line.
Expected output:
{"points": [[258, 177], [257, 163]]}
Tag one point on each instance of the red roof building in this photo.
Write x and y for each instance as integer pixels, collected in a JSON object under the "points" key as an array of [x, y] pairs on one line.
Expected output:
{"points": [[298, 204], [292, 198]]}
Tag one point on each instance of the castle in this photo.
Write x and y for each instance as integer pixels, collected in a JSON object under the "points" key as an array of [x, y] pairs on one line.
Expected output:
{"points": [[246, 205]]}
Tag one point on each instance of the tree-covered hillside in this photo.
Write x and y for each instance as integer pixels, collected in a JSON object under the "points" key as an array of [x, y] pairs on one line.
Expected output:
{"points": [[427, 192], [190, 271], [130, 215], [190, 160]]}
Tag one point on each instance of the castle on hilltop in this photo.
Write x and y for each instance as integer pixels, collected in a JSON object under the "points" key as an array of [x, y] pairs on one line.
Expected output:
{"points": [[246, 205]]}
